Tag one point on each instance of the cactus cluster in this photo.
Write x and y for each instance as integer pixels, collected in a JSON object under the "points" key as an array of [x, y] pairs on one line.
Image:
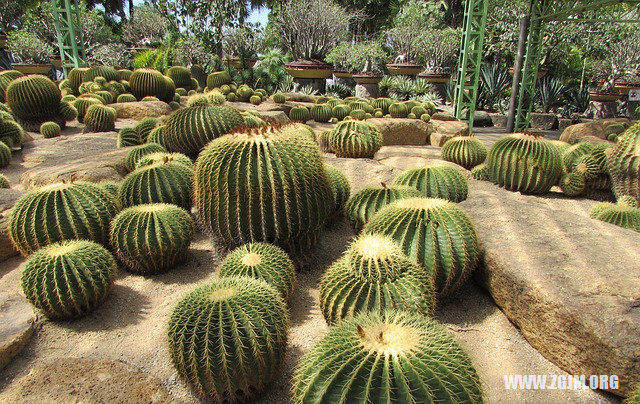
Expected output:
{"points": [[466, 151], [436, 180], [227, 339], [100, 118], [83, 104], [61, 211], [621, 214], [262, 261], [369, 200], [267, 184], [374, 275], [586, 171], [355, 139], [624, 163], [152, 238], [524, 162], [394, 357], [436, 233]]}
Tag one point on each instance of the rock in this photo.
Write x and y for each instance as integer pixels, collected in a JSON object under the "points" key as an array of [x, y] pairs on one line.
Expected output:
{"points": [[277, 117], [16, 317], [89, 157], [408, 157], [499, 120], [402, 131], [574, 133], [363, 172], [439, 139], [543, 121], [482, 119], [367, 90], [8, 198], [558, 277], [299, 97], [443, 116], [452, 128], [142, 109], [564, 123], [265, 106], [79, 380]]}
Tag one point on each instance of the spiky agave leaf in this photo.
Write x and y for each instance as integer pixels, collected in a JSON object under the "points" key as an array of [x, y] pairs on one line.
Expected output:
{"points": [[436, 180]]}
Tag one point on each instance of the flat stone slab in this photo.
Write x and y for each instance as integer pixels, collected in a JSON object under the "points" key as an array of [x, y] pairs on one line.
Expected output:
{"points": [[403, 131], [89, 157], [141, 109], [16, 327], [408, 157], [570, 283], [72, 380]]}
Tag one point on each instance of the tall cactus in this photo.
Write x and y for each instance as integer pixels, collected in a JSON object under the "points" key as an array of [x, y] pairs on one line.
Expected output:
{"points": [[369, 200], [436, 180], [436, 233], [355, 139], [266, 184]]}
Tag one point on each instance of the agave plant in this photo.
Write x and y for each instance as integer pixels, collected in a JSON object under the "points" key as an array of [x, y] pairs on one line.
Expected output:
{"points": [[576, 101], [338, 91], [550, 93], [494, 83]]}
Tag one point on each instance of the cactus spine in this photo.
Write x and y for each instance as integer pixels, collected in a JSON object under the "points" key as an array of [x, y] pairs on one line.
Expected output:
{"points": [[436, 180], [366, 202]]}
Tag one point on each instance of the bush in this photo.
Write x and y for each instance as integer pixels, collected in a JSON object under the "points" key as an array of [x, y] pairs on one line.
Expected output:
{"points": [[29, 48], [112, 54]]}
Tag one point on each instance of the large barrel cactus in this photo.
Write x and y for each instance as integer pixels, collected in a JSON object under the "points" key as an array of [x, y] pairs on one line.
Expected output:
{"points": [[436, 233], [339, 187], [218, 79], [267, 184], [107, 72], [100, 118], [148, 82], [161, 182], [620, 214], [299, 114], [34, 99], [6, 77], [188, 130], [436, 180], [67, 280], [369, 200], [152, 238], [321, 113], [227, 339], [624, 162], [374, 275], [398, 110], [181, 77], [262, 261], [61, 211], [82, 105], [465, 151], [138, 152], [396, 357], [355, 139], [525, 163]]}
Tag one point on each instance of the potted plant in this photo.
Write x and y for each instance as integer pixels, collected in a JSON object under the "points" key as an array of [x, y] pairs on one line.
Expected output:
{"points": [[363, 61], [438, 50], [33, 54], [341, 57], [623, 61], [403, 42], [308, 30], [240, 46]]}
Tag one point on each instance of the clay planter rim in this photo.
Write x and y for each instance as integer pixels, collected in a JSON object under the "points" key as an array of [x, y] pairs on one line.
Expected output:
{"points": [[596, 96], [435, 77], [367, 78], [404, 69], [32, 68], [313, 70], [236, 62], [342, 73]]}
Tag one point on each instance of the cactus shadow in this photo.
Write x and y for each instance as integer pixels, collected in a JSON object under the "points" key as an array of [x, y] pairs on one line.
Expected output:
{"points": [[469, 305], [203, 259]]}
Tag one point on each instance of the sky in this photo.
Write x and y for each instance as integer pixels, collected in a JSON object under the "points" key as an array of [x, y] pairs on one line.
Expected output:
{"points": [[257, 16]]}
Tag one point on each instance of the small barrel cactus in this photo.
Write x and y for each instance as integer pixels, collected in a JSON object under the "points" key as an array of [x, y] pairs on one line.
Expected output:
{"points": [[145, 126], [358, 114], [49, 130], [398, 110], [158, 157], [587, 166], [138, 152], [5, 155], [152, 238], [355, 139], [157, 136], [69, 279], [419, 224], [411, 115], [571, 154], [321, 113], [4, 181], [299, 114], [619, 214], [396, 357], [100, 118], [465, 151], [262, 261], [128, 137], [624, 163], [126, 98], [82, 105], [436, 180], [480, 172], [341, 111], [374, 275], [525, 163], [217, 79], [369, 200], [67, 111], [339, 187], [61, 211], [150, 98], [279, 98], [162, 182], [227, 339], [188, 130], [573, 184], [383, 104], [255, 99], [274, 174]]}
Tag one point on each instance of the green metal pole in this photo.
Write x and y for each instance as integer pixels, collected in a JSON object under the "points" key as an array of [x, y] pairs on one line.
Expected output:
{"points": [[69, 34]]}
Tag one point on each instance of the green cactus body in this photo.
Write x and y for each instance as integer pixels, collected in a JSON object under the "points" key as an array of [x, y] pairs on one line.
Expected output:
{"points": [[244, 93], [107, 72], [181, 76], [147, 82], [571, 155], [181, 92], [4, 181], [378, 114], [6, 77], [587, 166], [562, 146], [128, 137], [10, 133], [188, 130], [599, 154], [335, 101], [126, 98], [157, 136], [628, 201], [266, 184], [100, 118], [174, 105], [153, 238], [341, 111], [411, 116], [62, 211], [436, 233], [436, 180], [145, 126], [262, 261], [138, 152], [411, 104], [227, 339], [573, 184], [218, 79], [76, 77], [398, 110], [49, 130], [255, 99], [69, 279], [355, 139], [362, 105], [67, 111], [111, 187], [358, 114], [525, 163], [618, 214], [383, 104], [322, 99], [5, 155], [418, 111], [374, 275], [465, 151], [323, 141], [106, 96], [396, 357], [299, 114], [82, 105], [321, 113], [124, 74], [252, 121], [232, 97], [150, 98], [279, 98], [480, 172], [624, 162], [34, 99], [339, 187], [366, 202], [162, 182], [158, 157]]}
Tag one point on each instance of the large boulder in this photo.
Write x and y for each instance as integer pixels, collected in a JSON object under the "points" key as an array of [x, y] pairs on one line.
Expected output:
{"points": [[543, 121], [140, 110], [265, 106], [445, 130], [403, 131], [574, 133], [560, 278], [482, 119], [16, 317], [8, 198], [499, 120]]}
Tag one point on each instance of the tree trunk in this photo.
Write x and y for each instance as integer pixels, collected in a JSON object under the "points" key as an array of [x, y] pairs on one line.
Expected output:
{"points": [[130, 10]]}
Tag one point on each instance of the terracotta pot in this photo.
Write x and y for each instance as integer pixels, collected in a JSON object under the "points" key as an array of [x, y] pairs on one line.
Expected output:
{"points": [[435, 77], [26, 68], [57, 63], [310, 70], [404, 69], [366, 79], [342, 74], [604, 97]]}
